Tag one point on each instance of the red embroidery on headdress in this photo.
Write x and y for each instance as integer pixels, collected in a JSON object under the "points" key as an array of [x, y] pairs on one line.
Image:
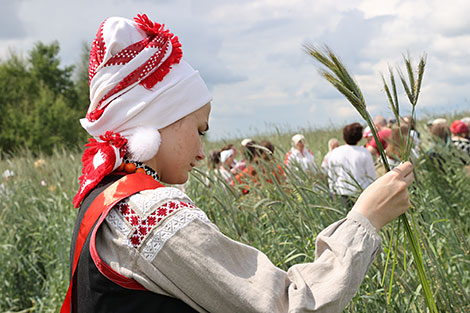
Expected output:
{"points": [[98, 49], [149, 73], [98, 161], [153, 28], [137, 75], [158, 75], [128, 53], [94, 115]]}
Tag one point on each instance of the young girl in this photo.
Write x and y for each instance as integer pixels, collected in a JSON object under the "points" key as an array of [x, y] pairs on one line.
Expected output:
{"points": [[139, 246]]}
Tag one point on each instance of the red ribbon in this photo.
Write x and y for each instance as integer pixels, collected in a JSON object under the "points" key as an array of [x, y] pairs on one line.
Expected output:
{"points": [[103, 203]]}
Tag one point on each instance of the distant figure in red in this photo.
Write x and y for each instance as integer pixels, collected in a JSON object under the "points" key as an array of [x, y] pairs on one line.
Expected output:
{"points": [[459, 132], [261, 166], [384, 133]]}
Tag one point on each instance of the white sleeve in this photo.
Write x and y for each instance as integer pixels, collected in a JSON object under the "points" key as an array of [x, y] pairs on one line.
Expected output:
{"points": [[187, 257]]}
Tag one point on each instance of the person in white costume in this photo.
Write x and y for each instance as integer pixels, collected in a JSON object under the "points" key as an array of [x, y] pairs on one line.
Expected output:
{"points": [[333, 143], [156, 248], [350, 167], [299, 157], [226, 160]]}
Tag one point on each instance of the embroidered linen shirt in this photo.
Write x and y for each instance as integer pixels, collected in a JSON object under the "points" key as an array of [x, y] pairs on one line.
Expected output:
{"points": [[163, 241]]}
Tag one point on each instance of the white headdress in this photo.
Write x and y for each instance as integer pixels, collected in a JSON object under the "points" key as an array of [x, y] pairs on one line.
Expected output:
{"points": [[139, 83]]}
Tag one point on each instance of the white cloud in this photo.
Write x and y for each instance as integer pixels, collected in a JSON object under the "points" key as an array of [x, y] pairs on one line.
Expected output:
{"points": [[250, 52], [450, 18], [454, 47], [10, 24], [346, 112]]}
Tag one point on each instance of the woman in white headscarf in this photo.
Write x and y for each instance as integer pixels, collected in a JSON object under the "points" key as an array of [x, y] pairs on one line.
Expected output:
{"points": [[139, 246], [226, 160], [299, 157]]}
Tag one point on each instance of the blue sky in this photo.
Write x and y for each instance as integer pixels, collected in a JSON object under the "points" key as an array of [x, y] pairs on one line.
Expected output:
{"points": [[250, 52]]}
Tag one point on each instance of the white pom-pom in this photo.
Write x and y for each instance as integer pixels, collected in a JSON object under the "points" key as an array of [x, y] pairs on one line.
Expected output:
{"points": [[143, 144]]}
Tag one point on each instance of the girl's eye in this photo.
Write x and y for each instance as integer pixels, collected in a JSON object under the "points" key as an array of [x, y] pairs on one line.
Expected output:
{"points": [[204, 131]]}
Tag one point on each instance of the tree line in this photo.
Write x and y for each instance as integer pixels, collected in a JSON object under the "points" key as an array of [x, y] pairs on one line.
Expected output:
{"points": [[41, 101]]}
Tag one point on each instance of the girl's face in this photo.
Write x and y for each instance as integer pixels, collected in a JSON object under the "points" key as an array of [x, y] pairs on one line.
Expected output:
{"points": [[181, 147]]}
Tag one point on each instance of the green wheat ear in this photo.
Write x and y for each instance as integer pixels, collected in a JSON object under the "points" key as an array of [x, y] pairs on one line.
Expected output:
{"points": [[336, 73]]}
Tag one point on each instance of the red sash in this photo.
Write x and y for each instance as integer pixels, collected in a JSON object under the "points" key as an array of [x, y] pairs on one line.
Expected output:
{"points": [[99, 209]]}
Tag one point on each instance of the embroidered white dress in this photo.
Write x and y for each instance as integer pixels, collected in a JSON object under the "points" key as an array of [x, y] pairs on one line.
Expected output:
{"points": [[304, 161], [167, 244]]}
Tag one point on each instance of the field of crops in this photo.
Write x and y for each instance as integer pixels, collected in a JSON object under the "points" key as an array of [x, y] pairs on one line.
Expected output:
{"points": [[36, 220]]}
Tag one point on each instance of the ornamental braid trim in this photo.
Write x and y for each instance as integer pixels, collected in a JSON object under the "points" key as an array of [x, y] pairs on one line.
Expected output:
{"points": [[147, 201], [179, 220]]}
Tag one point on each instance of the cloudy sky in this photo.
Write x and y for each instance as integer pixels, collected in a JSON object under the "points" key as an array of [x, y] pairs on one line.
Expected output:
{"points": [[250, 51]]}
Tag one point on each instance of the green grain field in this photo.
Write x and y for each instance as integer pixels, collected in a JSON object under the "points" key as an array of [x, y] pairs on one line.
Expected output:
{"points": [[282, 220]]}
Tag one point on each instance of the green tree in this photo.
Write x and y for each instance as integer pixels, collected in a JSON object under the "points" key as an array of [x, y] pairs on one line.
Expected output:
{"points": [[45, 69], [39, 101]]}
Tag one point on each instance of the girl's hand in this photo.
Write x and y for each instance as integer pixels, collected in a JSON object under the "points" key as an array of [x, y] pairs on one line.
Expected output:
{"points": [[387, 197]]}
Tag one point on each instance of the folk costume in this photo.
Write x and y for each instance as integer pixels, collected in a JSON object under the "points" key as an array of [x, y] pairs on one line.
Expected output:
{"points": [[304, 160], [459, 130], [142, 247], [301, 160], [222, 170]]}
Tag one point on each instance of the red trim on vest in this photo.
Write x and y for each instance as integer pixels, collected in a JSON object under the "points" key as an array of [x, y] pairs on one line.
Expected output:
{"points": [[104, 268], [101, 205]]}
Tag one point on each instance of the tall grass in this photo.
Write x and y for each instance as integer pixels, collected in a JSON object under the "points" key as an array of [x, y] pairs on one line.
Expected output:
{"points": [[336, 73], [36, 217], [281, 219]]}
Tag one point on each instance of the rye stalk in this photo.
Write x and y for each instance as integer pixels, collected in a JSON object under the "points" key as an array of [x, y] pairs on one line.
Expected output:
{"points": [[336, 73], [412, 92]]}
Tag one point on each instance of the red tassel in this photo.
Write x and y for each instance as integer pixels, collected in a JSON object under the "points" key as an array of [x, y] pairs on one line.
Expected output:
{"points": [[115, 139], [147, 25], [155, 29], [92, 173]]}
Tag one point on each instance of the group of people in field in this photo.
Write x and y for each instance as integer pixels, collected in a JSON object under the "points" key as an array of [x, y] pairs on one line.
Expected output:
{"points": [[256, 159], [352, 166], [454, 138]]}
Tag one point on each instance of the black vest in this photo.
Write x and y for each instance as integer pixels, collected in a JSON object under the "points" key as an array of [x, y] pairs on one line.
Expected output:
{"points": [[93, 292]]}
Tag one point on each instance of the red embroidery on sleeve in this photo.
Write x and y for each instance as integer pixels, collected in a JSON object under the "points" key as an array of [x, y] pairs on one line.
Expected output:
{"points": [[142, 227]]}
